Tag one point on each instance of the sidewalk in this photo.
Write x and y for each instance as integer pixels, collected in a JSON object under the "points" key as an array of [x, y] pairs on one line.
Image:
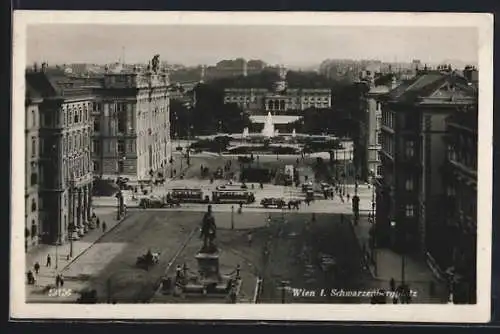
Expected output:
{"points": [[60, 258], [387, 264]]}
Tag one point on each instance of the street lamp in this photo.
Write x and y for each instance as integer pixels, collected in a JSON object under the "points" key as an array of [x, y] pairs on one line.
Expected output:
{"points": [[119, 195]]}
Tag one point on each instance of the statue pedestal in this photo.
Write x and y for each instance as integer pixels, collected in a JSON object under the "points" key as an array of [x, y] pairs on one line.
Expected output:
{"points": [[210, 283], [208, 267]]}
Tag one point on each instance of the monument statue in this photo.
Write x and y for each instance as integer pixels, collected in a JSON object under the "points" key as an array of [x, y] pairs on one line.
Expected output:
{"points": [[208, 232], [155, 63]]}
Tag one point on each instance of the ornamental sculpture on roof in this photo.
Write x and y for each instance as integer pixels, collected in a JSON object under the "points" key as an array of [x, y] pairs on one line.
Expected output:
{"points": [[155, 63]]}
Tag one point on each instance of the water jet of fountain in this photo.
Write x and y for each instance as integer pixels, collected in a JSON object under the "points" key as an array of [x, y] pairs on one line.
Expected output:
{"points": [[268, 130]]}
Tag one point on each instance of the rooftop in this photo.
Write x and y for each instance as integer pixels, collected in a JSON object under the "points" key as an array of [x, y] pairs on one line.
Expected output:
{"points": [[54, 84], [432, 84]]}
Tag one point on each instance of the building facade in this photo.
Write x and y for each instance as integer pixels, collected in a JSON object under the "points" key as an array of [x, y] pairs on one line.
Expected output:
{"points": [[410, 191], [280, 99], [64, 169], [131, 125], [460, 223], [32, 161]]}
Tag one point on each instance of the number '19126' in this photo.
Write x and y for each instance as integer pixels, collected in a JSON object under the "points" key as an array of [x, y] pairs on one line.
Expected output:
{"points": [[60, 292]]}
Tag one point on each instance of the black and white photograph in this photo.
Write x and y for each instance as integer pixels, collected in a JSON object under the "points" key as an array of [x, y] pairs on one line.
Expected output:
{"points": [[339, 161]]}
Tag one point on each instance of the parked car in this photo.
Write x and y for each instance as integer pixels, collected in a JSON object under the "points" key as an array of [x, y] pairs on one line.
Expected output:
{"points": [[273, 202], [151, 202], [307, 186]]}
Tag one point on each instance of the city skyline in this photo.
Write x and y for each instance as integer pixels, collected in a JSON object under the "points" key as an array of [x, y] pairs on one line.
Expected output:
{"points": [[301, 46]]}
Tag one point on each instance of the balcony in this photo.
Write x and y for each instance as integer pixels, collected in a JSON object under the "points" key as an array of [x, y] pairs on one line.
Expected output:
{"points": [[388, 129], [464, 169]]}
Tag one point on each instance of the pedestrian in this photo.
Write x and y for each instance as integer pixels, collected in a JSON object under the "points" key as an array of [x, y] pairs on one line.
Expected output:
{"points": [[31, 278], [348, 196], [37, 267], [61, 280], [392, 284], [49, 261], [103, 227], [98, 222], [58, 281], [249, 238]]}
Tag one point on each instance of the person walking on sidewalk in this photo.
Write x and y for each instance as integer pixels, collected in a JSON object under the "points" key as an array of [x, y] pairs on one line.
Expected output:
{"points": [[58, 281], [392, 284], [61, 280], [98, 222], [49, 261], [103, 227], [36, 267]]}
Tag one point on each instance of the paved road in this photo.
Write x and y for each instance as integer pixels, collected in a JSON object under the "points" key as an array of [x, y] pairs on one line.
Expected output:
{"points": [[109, 265], [300, 256]]}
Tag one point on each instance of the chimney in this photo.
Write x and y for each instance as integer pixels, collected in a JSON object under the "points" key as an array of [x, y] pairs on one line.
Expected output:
{"points": [[471, 74], [35, 67]]}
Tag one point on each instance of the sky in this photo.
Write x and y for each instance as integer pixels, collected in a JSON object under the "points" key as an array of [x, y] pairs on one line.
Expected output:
{"points": [[287, 45]]}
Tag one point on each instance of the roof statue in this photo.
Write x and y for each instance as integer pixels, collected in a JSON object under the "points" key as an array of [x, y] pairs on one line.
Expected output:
{"points": [[155, 63]]}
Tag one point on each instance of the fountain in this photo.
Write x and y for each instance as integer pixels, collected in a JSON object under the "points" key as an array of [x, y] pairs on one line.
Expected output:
{"points": [[268, 130]]}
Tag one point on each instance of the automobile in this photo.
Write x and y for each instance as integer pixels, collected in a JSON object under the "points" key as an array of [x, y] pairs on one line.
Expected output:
{"points": [[219, 173], [326, 187], [151, 202], [272, 202], [307, 186], [310, 195]]}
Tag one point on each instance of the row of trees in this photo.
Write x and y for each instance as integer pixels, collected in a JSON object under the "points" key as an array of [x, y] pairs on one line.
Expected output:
{"points": [[208, 115]]}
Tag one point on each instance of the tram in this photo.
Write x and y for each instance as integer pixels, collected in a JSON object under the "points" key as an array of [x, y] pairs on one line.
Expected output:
{"points": [[189, 195], [235, 196]]}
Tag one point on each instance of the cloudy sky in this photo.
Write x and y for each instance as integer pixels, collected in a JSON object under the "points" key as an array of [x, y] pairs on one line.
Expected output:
{"points": [[205, 44]]}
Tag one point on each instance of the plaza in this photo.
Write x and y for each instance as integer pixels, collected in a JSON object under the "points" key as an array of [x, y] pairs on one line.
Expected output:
{"points": [[286, 246]]}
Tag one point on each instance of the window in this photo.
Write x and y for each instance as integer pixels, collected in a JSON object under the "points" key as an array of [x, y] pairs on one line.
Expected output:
{"points": [[409, 184], [34, 232], [97, 124], [33, 146], [48, 119], [121, 147], [121, 166], [410, 149], [380, 170], [450, 191], [410, 210], [96, 147], [122, 122], [34, 179], [33, 118], [33, 205]]}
